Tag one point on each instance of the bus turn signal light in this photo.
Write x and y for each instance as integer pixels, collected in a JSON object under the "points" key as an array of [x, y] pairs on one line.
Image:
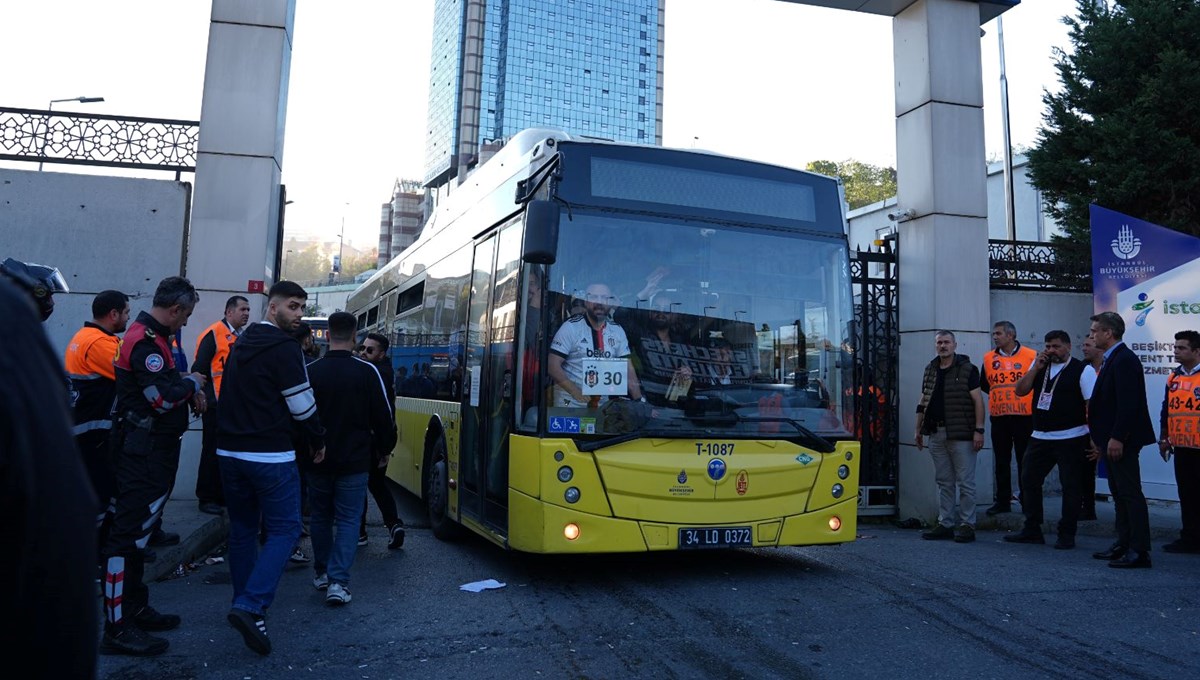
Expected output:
{"points": [[835, 523], [571, 531]]}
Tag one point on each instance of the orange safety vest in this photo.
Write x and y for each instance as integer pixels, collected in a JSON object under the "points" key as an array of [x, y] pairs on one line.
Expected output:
{"points": [[1183, 410], [1002, 374], [224, 339], [91, 354]]}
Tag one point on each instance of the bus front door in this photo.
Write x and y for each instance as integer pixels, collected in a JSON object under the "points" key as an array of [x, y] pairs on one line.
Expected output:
{"points": [[489, 383]]}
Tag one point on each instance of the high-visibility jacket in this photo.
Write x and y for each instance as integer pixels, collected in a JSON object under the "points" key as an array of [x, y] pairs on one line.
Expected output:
{"points": [[222, 339], [1183, 409], [1000, 376], [89, 362]]}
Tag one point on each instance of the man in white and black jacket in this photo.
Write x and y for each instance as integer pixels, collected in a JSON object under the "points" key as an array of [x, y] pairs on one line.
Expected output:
{"points": [[1061, 387], [353, 398], [265, 390]]}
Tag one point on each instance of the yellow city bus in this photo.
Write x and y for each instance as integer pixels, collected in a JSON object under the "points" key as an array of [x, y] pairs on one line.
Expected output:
{"points": [[729, 282]]}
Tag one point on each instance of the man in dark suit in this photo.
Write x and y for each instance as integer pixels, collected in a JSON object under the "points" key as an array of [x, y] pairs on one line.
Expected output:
{"points": [[1120, 425]]}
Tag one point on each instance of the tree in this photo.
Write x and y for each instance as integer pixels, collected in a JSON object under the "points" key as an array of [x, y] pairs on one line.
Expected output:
{"points": [[864, 183], [353, 266], [1123, 132], [307, 265]]}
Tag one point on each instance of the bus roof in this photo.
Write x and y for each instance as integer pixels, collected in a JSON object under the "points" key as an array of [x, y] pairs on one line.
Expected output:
{"points": [[517, 159]]}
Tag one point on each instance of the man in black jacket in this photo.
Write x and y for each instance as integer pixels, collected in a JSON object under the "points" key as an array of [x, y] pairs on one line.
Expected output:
{"points": [[265, 388], [1120, 425], [374, 350], [352, 397]]}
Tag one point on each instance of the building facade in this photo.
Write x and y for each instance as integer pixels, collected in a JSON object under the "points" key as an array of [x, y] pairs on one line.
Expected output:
{"points": [[400, 219], [591, 67]]}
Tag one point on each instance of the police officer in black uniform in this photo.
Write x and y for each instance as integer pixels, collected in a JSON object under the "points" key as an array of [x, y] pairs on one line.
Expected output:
{"points": [[152, 411], [46, 499]]}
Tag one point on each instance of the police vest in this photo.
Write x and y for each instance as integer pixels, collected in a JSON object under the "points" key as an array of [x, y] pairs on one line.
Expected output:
{"points": [[224, 339], [1183, 410], [89, 362], [1002, 374]]}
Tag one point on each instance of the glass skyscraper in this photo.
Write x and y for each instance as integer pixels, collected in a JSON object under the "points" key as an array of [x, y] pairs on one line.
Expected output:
{"points": [[591, 67]]}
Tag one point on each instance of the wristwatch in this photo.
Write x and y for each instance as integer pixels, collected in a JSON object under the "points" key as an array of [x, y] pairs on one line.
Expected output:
{"points": [[979, 430]]}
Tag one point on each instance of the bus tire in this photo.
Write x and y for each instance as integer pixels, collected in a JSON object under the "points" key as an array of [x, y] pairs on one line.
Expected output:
{"points": [[437, 494]]}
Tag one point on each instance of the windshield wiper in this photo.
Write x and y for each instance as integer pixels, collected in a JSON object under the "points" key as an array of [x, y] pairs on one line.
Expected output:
{"points": [[626, 437], [818, 442]]}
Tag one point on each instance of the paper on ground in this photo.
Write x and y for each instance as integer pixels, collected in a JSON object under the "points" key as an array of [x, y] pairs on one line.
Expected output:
{"points": [[477, 586]]}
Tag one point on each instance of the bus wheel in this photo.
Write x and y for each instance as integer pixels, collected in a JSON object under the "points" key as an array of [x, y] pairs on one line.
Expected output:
{"points": [[437, 495]]}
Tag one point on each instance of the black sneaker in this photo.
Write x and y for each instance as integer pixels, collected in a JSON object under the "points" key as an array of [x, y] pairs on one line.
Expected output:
{"points": [[211, 508], [965, 533], [362, 539], [1064, 543], [396, 531], [1025, 537], [253, 629], [998, 509], [151, 620], [938, 533], [162, 538], [130, 640]]}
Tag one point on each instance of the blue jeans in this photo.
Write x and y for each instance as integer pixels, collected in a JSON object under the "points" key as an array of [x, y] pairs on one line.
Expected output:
{"points": [[335, 500], [260, 492]]}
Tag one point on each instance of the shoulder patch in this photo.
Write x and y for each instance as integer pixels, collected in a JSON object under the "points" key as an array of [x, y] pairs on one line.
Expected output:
{"points": [[150, 333], [154, 363]]}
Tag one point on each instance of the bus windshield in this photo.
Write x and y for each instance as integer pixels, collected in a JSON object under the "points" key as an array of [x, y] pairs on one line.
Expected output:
{"points": [[724, 329]]}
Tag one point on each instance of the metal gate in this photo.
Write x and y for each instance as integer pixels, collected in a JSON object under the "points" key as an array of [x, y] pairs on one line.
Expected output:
{"points": [[873, 397]]}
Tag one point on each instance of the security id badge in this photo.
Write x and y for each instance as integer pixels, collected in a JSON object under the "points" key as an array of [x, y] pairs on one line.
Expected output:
{"points": [[604, 377], [1044, 401]]}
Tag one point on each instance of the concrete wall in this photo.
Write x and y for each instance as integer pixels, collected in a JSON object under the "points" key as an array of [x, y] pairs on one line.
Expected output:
{"points": [[101, 232]]}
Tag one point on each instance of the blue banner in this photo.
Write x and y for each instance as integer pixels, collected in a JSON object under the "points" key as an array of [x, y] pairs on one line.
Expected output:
{"points": [[1150, 275]]}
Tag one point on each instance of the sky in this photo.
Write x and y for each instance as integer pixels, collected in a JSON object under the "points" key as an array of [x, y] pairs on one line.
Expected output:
{"points": [[761, 79]]}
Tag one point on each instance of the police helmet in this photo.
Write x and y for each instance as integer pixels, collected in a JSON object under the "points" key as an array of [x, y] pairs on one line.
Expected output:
{"points": [[41, 281]]}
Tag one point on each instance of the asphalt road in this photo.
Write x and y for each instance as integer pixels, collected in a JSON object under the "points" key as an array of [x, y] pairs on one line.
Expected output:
{"points": [[889, 605]]}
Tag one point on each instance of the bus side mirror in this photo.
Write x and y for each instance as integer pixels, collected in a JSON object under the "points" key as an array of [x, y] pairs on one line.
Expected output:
{"points": [[541, 232]]}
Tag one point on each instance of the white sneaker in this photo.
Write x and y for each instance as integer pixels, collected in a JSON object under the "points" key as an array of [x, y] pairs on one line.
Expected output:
{"points": [[338, 594], [299, 557], [321, 582]]}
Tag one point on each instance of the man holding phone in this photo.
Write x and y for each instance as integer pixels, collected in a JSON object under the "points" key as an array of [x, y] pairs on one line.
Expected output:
{"points": [[1179, 426], [1061, 387]]}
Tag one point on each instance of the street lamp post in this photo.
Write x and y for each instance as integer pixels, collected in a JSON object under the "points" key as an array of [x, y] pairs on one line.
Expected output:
{"points": [[341, 244], [50, 107]]}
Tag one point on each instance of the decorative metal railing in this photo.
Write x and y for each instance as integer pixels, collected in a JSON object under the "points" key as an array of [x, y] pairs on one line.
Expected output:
{"points": [[1036, 265], [92, 139]]}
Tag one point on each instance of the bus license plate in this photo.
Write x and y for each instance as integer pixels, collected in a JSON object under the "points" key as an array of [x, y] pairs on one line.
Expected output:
{"points": [[714, 537]]}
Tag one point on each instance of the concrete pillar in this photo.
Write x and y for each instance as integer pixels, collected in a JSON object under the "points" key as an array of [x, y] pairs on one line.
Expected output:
{"points": [[943, 247], [234, 235]]}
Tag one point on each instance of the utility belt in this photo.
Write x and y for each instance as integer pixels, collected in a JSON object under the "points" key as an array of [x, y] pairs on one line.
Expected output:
{"points": [[132, 421], [133, 434]]}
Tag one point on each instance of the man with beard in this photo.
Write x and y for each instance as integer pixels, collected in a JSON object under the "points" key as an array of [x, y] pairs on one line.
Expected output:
{"points": [[1061, 387], [265, 391], [89, 361], [593, 337]]}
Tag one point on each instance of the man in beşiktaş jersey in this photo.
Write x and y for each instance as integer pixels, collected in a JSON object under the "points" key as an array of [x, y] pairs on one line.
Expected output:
{"points": [[591, 337]]}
